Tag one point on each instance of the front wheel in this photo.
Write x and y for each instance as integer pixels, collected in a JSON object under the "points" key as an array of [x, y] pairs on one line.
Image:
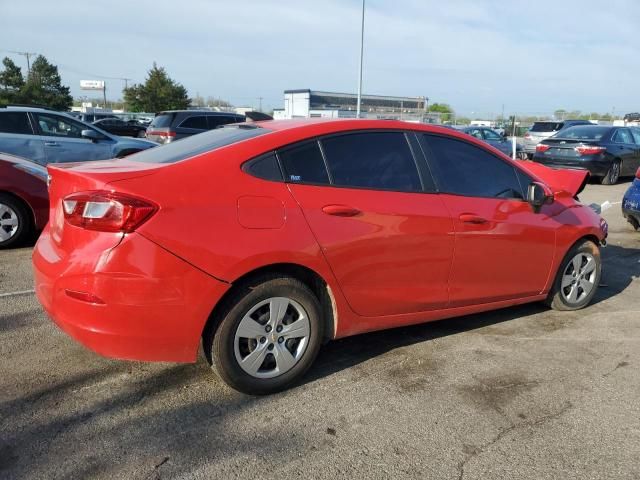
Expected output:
{"points": [[577, 279], [270, 334]]}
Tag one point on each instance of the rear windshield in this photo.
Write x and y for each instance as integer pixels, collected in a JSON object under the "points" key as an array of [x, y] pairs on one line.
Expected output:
{"points": [[163, 120], [197, 144], [546, 126], [584, 132]]}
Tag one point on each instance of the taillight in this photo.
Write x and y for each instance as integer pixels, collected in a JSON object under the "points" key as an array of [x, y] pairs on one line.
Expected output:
{"points": [[542, 148], [106, 211], [638, 174], [589, 150], [164, 135]]}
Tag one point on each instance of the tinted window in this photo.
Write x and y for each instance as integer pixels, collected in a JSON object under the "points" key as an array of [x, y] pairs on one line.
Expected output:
{"points": [[587, 132], [304, 163], [491, 135], [546, 126], [196, 144], [623, 135], [372, 160], [265, 167], [163, 120], [59, 126], [15, 122], [636, 135], [216, 120], [465, 169], [199, 122]]}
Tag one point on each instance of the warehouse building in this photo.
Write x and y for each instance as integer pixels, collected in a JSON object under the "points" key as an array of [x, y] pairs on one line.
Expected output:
{"points": [[307, 103]]}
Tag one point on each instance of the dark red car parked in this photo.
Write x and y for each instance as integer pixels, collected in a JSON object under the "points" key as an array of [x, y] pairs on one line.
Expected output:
{"points": [[24, 200], [263, 241]]}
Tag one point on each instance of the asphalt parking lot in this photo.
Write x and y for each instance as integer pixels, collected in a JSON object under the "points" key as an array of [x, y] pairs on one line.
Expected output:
{"points": [[519, 393]]}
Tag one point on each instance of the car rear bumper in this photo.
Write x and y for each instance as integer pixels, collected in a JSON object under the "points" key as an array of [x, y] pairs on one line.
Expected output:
{"points": [[596, 167], [147, 304]]}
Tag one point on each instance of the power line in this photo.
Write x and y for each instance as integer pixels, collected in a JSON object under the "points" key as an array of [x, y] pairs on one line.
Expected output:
{"points": [[28, 56]]}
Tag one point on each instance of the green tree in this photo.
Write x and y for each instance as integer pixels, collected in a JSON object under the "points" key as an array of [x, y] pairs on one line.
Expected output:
{"points": [[11, 82], [445, 111], [159, 92], [44, 86]]}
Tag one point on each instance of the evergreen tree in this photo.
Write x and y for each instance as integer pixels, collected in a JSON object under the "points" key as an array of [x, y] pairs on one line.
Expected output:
{"points": [[11, 82], [44, 86], [159, 92]]}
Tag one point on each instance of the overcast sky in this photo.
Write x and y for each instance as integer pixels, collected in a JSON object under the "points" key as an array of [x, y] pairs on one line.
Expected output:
{"points": [[532, 56]]}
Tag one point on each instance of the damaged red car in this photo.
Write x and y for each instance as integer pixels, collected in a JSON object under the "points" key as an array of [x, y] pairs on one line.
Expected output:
{"points": [[262, 241]]}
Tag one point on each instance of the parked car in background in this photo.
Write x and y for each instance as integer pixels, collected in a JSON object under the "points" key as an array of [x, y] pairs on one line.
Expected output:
{"points": [[308, 231], [24, 200], [91, 117], [541, 130], [176, 124], [606, 152], [631, 203], [47, 136], [494, 139], [116, 126]]}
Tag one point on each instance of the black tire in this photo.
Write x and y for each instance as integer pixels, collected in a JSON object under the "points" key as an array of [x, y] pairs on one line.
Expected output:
{"points": [[634, 222], [612, 176], [557, 296], [219, 344], [25, 224]]}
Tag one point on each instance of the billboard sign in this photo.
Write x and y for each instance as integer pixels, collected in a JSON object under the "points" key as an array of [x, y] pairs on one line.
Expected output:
{"points": [[92, 84]]}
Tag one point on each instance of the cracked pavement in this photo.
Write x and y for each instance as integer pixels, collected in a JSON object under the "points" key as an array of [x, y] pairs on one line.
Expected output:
{"points": [[518, 393]]}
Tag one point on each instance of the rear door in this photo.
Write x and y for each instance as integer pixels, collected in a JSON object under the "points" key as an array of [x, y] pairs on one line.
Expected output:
{"points": [[387, 238], [624, 148], [503, 249], [63, 141], [17, 136]]}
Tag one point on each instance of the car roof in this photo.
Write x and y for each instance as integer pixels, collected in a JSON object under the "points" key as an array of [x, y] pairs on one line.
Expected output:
{"points": [[209, 112]]}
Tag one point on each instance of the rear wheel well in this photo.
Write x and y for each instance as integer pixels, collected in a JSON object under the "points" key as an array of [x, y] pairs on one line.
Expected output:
{"points": [[24, 203], [315, 282]]}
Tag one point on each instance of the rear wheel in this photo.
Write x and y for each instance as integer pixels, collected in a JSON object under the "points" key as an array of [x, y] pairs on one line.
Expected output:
{"points": [[15, 223], [269, 335], [577, 279], [612, 176]]}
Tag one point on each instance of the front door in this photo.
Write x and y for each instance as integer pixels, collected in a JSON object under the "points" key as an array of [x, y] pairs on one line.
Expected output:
{"points": [[388, 241], [503, 249]]}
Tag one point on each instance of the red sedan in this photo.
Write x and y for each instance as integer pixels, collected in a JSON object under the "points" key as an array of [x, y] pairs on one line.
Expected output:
{"points": [[24, 201], [263, 241]]}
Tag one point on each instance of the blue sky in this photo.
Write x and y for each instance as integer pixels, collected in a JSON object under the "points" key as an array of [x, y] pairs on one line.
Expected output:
{"points": [[531, 56]]}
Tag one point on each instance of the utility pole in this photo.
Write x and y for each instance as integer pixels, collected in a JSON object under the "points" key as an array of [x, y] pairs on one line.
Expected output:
{"points": [[360, 69], [260, 100], [28, 56], [126, 85]]}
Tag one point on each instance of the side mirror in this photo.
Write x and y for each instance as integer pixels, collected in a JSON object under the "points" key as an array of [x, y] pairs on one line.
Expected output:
{"points": [[538, 194], [91, 135]]}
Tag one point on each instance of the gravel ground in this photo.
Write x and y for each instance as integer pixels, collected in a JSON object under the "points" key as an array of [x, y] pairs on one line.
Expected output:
{"points": [[523, 392]]}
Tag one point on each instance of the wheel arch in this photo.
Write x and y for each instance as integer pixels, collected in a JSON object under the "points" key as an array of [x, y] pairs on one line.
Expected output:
{"points": [[27, 205], [318, 285]]}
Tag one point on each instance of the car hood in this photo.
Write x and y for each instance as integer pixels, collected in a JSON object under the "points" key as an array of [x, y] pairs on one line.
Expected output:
{"points": [[559, 180]]}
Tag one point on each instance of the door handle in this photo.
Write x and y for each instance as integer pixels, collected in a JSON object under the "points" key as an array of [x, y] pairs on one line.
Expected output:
{"points": [[340, 210], [471, 218], [52, 144]]}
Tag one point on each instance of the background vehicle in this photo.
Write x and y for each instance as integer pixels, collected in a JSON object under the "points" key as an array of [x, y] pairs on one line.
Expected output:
{"points": [[47, 136], [176, 124], [307, 231], [606, 152], [494, 139], [116, 126], [24, 200], [631, 203], [91, 117], [541, 130]]}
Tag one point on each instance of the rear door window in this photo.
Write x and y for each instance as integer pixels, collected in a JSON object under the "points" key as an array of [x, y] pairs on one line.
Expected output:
{"points": [[464, 169], [215, 121], [198, 122], [304, 164], [546, 127], [623, 135], [373, 160], [15, 122], [636, 135]]}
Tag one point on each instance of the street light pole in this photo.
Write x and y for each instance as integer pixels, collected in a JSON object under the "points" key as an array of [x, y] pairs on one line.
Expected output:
{"points": [[360, 69]]}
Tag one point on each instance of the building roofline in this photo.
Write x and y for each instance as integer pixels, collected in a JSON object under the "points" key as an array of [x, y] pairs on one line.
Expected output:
{"points": [[352, 95]]}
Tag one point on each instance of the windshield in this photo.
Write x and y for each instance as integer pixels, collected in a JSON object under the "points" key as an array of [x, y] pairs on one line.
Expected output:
{"points": [[584, 132], [546, 126], [197, 144]]}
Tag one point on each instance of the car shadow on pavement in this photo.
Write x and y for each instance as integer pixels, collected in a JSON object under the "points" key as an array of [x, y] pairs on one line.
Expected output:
{"points": [[620, 266]]}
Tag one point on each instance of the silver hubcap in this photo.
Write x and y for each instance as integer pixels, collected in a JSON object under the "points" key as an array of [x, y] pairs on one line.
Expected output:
{"points": [[272, 337], [579, 278], [8, 222]]}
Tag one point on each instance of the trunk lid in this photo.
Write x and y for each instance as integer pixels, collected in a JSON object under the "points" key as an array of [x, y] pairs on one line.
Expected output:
{"points": [[559, 180]]}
